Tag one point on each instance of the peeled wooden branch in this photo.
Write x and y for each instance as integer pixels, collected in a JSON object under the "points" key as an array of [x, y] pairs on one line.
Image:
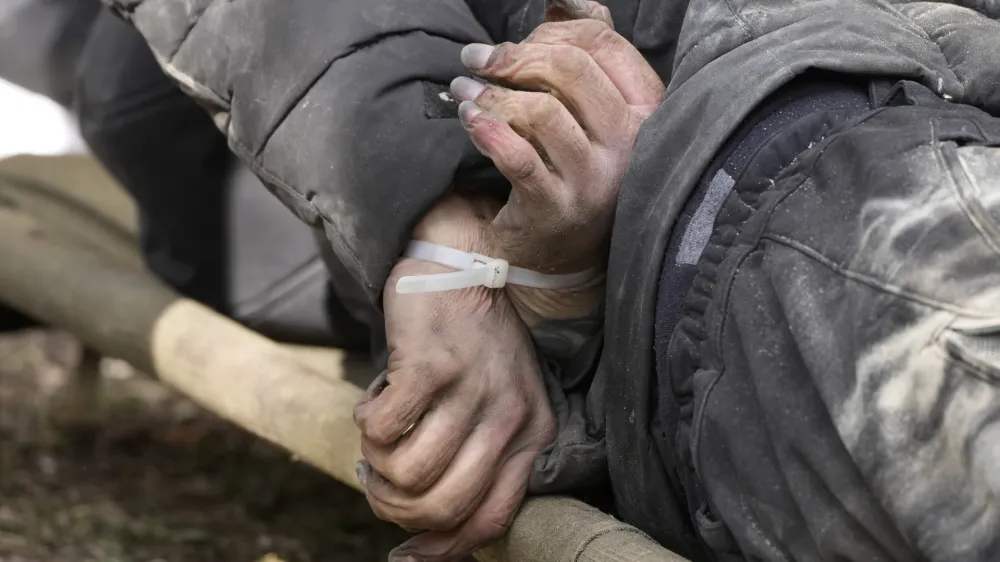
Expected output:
{"points": [[121, 311], [229, 369]]}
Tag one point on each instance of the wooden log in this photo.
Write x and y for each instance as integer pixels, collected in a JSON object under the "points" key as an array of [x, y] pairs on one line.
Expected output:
{"points": [[258, 384], [229, 369], [555, 529], [76, 198]]}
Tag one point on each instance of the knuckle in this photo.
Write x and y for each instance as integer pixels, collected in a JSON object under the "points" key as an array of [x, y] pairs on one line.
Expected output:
{"points": [[360, 416], [410, 475], [570, 60], [444, 516], [431, 374], [591, 29], [443, 367], [503, 58], [379, 430], [373, 425], [541, 109], [604, 34], [499, 100], [516, 413], [520, 167], [569, 202], [380, 510], [492, 98]]}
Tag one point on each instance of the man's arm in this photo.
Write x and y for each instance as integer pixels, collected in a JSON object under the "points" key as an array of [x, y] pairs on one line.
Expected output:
{"points": [[337, 106], [451, 439]]}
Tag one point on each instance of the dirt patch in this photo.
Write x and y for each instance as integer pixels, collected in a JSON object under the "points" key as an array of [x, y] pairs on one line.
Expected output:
{"points": [[157, 479]]}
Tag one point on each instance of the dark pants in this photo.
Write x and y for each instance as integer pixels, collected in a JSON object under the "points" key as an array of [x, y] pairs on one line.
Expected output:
{"points": [[830, 389], [40, 43], [165, 151], [209, 228]]}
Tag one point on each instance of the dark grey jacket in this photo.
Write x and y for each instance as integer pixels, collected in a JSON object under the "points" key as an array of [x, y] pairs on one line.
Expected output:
{"points": [[336, 105], [731, 55], [341, 109]]}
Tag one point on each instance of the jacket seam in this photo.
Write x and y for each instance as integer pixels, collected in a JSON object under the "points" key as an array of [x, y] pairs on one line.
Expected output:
{"points": [[190, 28], [308, 87], [748, 249], [870, 281], [808, 252], [961, 183]]}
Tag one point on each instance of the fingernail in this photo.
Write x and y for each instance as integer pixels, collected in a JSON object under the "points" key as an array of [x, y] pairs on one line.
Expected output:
{"points": [[476, 55], [361, 471], [466, 89], [467, 111]]}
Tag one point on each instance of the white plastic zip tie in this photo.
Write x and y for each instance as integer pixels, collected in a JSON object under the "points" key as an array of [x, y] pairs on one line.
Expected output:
{"points": [[475, 270]]}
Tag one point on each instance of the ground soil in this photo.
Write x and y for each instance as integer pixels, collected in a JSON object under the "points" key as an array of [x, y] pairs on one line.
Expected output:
{"points": [[156, 479]]}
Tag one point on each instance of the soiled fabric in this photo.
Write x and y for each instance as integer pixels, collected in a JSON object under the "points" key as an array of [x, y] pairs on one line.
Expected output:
{"points": [[836, 369], [342, 110], [953, 51], [338, 108], [800, 111]]}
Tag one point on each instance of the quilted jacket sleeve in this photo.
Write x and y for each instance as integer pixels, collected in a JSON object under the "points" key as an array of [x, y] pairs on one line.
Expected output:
{"points": [[340, 107]]}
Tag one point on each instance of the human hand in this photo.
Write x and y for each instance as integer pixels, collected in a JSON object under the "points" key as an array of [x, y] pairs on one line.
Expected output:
{"points": [[562, 132], [451, 435], [461, 472]]}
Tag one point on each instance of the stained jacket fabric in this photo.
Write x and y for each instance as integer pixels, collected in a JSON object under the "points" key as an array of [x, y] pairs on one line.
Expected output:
{"points": [[836, 371], [764, 483], [341, 109], [337, 106]]}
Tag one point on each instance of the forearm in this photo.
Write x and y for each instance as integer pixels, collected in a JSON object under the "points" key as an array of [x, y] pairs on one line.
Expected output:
{"points": [[329, 103]]}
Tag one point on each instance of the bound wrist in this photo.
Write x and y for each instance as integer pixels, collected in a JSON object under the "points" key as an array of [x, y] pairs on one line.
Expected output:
{"points": [[536, 306]]}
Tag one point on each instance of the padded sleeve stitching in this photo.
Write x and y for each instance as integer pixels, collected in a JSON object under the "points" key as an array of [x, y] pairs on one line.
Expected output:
{"points": [[190, 28], [303, 91]]}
